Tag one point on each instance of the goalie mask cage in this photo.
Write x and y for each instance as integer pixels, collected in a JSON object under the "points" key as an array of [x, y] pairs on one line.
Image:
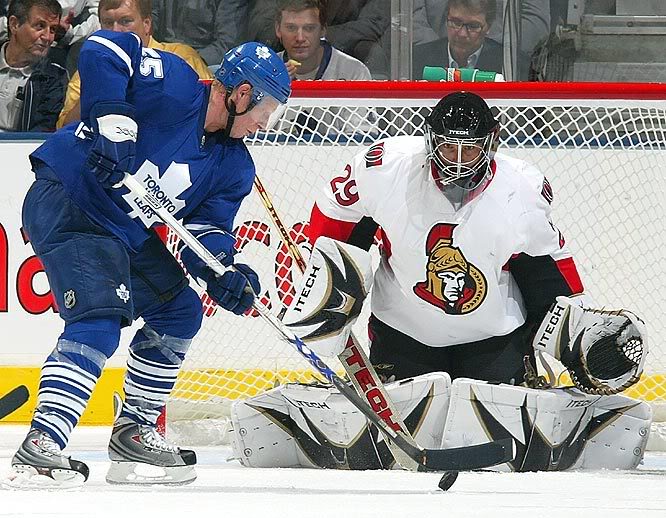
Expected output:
{"points": [[602, 146]]}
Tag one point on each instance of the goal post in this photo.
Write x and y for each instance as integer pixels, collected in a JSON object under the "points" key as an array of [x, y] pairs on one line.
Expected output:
{"points": [[601, 145]]}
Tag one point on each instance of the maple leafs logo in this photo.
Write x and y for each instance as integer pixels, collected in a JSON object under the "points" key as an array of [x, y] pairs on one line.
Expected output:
{"points": [[166, 188], [263, 53]]}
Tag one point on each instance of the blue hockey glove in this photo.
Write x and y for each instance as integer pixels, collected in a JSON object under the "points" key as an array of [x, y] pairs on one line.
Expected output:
{"points": [[219, 242], [112, 152], [228, 290]]}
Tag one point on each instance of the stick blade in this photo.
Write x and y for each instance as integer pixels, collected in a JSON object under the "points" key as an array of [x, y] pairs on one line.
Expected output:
{"points": [[467, 458], [13, 400]]}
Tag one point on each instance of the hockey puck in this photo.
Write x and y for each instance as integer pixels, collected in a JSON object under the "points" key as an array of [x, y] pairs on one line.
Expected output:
{"points": [[447, 480]]}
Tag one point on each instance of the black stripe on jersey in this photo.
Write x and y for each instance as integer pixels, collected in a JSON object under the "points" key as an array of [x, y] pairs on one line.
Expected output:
{"points": [[540, 281], [363, 233]]}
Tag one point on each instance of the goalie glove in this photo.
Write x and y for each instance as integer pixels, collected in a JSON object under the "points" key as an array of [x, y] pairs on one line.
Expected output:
{"points": [[330, 295], [604, 351]]}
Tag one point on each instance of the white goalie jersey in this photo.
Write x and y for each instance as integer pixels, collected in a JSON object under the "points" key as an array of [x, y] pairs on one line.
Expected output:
{"points": [[444, 277]]}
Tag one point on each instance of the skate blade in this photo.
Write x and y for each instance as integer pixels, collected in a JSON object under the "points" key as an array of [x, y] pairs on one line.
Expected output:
{"points": [[27, 478], [140, 473]]}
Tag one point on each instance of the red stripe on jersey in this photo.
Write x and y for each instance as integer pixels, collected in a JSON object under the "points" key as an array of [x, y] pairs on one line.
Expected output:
{"points": [[385, 245], [322, 225], [567, 268]]}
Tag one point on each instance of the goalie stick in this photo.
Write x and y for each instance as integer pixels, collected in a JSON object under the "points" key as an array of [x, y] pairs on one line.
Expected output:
{"points": [[451, 459], [353, 357], [13, 400]]}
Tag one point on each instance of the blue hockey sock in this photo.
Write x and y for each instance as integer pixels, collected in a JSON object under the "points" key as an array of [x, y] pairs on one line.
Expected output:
{"points": [[152, 368], [70, 374]]}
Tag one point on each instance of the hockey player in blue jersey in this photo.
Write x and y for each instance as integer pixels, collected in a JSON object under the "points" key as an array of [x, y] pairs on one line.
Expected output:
{"points": [[143, 112]]}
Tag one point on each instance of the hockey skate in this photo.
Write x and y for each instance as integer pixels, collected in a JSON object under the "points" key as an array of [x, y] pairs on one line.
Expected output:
{"points": [[140, 455], [40, 464]]}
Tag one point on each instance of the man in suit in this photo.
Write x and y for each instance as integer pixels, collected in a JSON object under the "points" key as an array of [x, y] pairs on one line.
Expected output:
{"points": [[466, 45], [535, 21]]}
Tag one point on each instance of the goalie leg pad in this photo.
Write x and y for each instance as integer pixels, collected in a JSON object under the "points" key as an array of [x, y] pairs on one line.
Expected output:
{"points": [[619, 433], [299, 425], [554, 429]]}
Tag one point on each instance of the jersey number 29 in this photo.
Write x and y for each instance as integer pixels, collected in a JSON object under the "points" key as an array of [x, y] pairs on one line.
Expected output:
{"points": [[344, 188]]}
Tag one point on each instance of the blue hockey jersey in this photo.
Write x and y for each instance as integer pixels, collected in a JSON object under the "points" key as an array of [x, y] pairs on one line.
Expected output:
{"points": [[201, 178]]}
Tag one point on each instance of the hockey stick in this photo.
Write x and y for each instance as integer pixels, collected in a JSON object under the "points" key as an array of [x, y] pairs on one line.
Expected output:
{"points": [[353, 357], [451, 459], [13, 400]]}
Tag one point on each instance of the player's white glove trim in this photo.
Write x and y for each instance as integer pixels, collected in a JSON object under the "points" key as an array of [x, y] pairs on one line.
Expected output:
{"points": [[117, 128]]}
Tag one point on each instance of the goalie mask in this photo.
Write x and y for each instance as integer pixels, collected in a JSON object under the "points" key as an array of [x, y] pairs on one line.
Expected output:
{"points": [[461, 135]]}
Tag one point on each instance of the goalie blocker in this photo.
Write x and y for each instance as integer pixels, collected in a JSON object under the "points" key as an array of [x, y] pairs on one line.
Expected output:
{"points": [[298, 425], [330, 295]]}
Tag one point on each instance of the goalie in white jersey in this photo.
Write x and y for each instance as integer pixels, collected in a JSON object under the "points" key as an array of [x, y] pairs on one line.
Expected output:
{"points": [[473, 278], [470, 261]]}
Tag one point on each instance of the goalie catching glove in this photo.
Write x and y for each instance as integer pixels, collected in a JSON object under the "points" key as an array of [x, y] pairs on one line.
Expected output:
{"points": [[604, 351], [330, 295]]}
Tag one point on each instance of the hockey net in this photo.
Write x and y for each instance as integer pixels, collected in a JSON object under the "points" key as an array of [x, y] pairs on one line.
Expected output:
{"points": [[602, 146]]}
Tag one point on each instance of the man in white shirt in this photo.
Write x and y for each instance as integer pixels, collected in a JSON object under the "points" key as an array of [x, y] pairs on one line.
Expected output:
{"points": [[30, 104], [300, 26], [471, 260]]}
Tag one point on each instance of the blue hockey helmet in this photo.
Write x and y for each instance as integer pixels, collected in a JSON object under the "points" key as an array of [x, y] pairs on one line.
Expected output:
{"points": [[258, 65]]}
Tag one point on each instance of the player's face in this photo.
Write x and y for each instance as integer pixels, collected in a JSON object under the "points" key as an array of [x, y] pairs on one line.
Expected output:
{"points": [[261, 116], [466, 31], [258, 118], [31, 40], [300, 33], [126, 18], [459, 153]]}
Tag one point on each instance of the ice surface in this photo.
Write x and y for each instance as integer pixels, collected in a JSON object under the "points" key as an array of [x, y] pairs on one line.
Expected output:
{"points": [[225, 489]]}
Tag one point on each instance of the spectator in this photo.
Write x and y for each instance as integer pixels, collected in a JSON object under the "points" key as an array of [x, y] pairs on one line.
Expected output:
{"points": [[32, 88], [300, 26], [535, 16], [210, 26], [466, 44], [353, 26], [129, 16], [79, 20]]}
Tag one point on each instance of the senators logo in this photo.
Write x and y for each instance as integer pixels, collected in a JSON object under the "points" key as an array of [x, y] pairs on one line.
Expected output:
{"points": [[375, 155], [452, 284]]}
